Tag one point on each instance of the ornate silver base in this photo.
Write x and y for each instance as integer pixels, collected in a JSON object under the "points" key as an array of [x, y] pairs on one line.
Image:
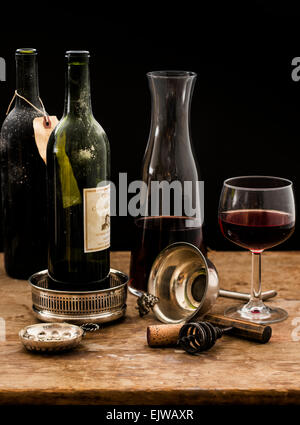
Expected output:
{"points": [[79, 307]]}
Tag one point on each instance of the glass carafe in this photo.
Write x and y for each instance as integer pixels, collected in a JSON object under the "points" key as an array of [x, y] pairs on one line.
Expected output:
{"points": [[173, 198]]}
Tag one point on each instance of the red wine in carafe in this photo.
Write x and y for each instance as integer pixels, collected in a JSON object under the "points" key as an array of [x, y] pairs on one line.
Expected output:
{"points": [[151, 236]]}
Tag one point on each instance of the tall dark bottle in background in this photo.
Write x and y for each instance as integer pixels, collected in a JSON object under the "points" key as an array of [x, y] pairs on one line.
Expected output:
{"points": [[78, 163], [1, 215], [23, 175], [174, 212]]}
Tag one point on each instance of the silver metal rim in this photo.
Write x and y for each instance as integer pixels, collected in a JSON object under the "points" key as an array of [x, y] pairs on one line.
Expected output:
{"points": [[152, 282], [47, 316], [79, 307], [54, 291], [51, 345]]}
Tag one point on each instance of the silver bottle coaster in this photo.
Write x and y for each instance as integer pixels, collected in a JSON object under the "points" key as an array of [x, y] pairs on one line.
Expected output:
{"points": [[79, 307]]}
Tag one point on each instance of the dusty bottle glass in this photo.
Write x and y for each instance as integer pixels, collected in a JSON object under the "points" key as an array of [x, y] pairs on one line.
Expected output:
{"points": [[78, 169], [23, 177], [173, 197]]}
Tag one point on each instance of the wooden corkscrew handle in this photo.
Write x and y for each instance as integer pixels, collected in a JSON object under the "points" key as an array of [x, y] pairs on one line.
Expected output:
{"points": [[242, 328]]}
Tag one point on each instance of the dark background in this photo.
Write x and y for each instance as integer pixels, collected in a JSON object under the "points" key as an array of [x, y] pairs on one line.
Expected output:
{"points": [[246, 107]]}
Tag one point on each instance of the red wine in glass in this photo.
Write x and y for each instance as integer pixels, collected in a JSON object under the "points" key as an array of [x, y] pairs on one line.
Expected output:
{"points": [[256, 229], [257, 213]]}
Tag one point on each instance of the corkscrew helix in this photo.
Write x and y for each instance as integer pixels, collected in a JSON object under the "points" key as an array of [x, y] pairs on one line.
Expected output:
{"points": [[196, 337]]}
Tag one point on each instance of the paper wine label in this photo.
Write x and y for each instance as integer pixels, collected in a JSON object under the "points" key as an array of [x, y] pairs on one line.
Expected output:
{"points": [[96, 216]]}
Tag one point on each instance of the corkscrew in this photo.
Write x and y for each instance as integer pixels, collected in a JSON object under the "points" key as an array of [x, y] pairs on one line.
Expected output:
{"points": [[196, 337]]}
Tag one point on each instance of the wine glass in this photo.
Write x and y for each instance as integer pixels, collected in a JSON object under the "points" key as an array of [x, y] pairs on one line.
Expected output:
{"points": [[257, 212]]}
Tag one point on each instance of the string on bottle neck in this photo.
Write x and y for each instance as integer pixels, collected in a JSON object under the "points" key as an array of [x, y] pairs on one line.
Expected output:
{"points": [[43, 112]]}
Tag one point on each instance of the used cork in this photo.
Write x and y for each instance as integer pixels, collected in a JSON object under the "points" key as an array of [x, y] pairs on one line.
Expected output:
{"points": [[163, 335]]}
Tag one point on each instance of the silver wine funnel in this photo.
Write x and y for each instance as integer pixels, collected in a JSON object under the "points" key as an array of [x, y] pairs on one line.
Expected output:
{"points": [[186, 284]]}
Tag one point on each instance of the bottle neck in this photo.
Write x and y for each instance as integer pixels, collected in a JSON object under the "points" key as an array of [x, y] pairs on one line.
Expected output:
{"points": [[78, 97], [27, 84], [171, 99]]}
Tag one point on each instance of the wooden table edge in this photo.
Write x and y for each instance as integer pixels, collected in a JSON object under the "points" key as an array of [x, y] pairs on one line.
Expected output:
{"points": [[152, 397]]}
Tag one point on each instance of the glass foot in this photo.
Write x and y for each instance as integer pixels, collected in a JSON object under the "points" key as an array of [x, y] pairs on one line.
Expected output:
{"points": [[257, 314]]}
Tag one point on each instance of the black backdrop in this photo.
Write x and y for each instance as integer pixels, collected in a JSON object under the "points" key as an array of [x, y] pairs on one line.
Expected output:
{"points": [[245, 110]]}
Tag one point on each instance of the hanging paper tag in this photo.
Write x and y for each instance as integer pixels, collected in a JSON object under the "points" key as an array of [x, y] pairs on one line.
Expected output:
{"points": [[42, 130]]}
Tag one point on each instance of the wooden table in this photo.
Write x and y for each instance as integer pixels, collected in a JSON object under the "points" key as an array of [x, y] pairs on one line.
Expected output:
{"points": [[117, 367]]}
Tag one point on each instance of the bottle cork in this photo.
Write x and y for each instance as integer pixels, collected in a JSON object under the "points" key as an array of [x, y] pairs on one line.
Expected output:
{"points": [[163, 335]]}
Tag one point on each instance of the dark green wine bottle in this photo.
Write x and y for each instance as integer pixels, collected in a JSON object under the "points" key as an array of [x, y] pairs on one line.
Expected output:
{"points": [[78, 166], [23, 175]]}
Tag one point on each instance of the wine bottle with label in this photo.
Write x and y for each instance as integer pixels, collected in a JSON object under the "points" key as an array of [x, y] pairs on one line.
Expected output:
{"points": [[23, 177], [78, 163]]}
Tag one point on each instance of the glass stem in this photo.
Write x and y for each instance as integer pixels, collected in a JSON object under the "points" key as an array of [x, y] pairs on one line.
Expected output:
{"points": [[256, 278]]}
